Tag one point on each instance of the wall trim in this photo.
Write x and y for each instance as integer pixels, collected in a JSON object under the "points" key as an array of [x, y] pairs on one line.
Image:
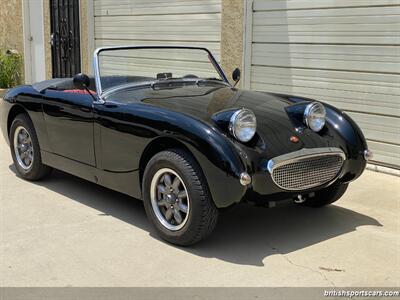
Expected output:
{"points": [[90, 33], [81, 34], [28, 64], [382, 169], [86, 23], [27, 52], [247, 42]]}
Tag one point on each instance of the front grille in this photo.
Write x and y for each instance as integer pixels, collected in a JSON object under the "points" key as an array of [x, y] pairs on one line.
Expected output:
{"points": [[307, 172]]}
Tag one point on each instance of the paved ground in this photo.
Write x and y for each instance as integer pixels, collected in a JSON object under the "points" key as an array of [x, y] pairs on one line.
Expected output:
{"points": [[68, 232]]}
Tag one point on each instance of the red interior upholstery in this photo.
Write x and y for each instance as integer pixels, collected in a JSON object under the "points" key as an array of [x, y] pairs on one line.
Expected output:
{"points": [[77, 91]]}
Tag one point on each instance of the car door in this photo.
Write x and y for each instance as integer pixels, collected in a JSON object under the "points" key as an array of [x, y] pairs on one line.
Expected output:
{"points": [[69, 124], [122, 136]]}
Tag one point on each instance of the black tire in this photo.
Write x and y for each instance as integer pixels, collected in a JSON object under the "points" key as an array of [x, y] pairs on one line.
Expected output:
{"points": [[202, 215], [37, 169], [327, 196]]}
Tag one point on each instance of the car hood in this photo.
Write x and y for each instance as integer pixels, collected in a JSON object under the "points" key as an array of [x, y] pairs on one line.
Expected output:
{"points": [[274, 125]]}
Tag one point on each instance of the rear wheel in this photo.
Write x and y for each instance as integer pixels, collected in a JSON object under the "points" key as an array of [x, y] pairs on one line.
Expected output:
{"points": [[327, 196], [25, 149], [177, 199]]}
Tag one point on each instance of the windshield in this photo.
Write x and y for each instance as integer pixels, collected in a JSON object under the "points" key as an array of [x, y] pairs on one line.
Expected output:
{"points": [[154, 66]]}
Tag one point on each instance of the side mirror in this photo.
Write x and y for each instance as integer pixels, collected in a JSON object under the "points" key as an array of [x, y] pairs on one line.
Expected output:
{"points": [[81, 80], [236, 76]]}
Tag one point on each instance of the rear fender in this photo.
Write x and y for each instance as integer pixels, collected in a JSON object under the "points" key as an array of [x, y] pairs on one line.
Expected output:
{"points": [[24, 99]]}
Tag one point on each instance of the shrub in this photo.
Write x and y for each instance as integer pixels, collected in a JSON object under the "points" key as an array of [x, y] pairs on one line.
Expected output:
{"points": [[10, 68]]}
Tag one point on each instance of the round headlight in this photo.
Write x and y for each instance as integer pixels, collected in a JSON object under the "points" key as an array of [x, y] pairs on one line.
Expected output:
{"points": [[314, 116], [243, 125]]}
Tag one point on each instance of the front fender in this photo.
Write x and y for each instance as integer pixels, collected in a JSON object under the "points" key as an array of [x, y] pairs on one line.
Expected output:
{"points": [[346, 134], [353, 142], [219, 160], [216, 154], [222, 168]]}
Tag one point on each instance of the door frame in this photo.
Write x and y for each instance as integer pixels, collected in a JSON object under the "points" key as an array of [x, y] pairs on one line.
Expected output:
{"points": [[31, 67]]}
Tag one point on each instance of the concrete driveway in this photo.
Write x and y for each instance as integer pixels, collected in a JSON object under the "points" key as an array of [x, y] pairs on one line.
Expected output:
{"points": [[65, 231]]}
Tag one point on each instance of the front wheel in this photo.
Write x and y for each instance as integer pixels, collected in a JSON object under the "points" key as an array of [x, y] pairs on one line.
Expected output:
{"points": [[176, 198], [327, 195]]}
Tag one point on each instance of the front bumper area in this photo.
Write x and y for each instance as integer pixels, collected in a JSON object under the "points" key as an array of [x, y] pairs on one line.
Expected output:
{"points": [[339, 166]]}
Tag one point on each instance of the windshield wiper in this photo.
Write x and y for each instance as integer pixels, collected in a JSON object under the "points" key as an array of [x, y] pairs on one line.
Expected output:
{"points": [[206, 81], [171, 83]]}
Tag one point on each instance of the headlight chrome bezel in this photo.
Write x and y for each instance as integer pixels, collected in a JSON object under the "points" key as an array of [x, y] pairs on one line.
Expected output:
{"points": [[309, 114], [236, 117]]}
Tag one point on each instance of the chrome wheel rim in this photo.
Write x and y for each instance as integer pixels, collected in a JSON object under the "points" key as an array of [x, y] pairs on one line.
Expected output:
{"points": [[23, 148], [169, 199]]}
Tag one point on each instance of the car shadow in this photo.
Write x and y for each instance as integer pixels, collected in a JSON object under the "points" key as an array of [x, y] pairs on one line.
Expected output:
{"points": [[244, 235]]}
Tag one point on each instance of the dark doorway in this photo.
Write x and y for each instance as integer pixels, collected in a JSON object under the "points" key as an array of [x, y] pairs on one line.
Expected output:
{"points": [[65, 38]]}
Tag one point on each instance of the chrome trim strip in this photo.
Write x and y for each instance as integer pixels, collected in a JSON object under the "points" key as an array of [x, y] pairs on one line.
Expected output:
{"points": [[302, 154], [232, 121]]}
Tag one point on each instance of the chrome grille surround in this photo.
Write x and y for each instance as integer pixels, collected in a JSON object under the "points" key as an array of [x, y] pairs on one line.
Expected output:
{"points": [[306, 168]]}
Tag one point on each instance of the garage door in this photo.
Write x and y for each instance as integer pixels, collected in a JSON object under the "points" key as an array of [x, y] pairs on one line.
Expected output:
{"points": [[159, 22], [343, 52]]}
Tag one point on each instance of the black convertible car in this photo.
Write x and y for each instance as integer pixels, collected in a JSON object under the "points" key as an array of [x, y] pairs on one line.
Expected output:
{"points": [[163, 124]]}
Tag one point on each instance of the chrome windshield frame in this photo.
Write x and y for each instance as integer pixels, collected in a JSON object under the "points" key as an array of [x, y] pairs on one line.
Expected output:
{"points": [[96, 66]]}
